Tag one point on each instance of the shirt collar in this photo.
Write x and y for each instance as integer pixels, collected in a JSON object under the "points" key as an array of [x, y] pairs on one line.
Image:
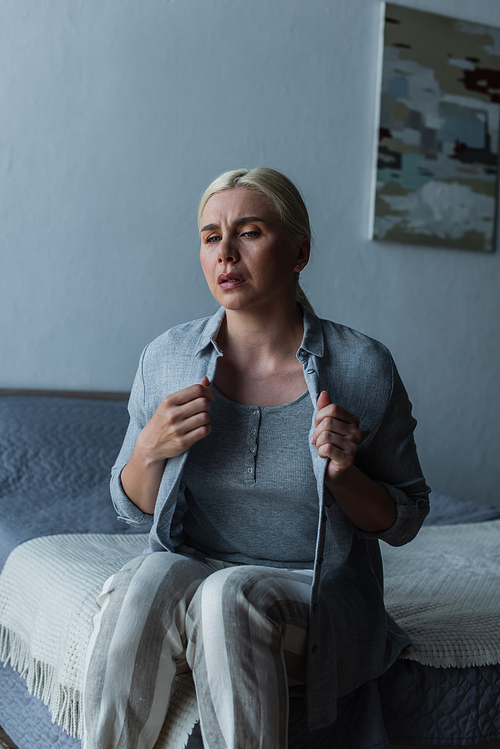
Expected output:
{"points": [[209, 333], [312, 341]]}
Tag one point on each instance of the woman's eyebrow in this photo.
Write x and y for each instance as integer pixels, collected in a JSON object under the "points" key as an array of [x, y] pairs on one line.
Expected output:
{"points": [[247, 219], [238, 222]]}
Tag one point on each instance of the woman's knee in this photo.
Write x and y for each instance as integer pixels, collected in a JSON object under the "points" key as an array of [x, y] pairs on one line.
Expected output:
{"points": [[150, 591], [225, 599], [247, 598]]}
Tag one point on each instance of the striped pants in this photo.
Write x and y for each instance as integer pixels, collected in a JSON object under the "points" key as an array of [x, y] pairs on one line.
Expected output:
{"points": [[241, 629]]}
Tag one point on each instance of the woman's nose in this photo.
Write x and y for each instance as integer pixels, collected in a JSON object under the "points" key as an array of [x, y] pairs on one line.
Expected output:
{"points": [[227, 251]]}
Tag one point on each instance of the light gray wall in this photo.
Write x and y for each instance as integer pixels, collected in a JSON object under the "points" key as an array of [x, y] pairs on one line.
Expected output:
{"points": [[114, 116]]}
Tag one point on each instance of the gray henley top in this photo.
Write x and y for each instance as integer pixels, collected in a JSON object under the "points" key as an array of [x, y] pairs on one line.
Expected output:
{"points": [[250, 487]]}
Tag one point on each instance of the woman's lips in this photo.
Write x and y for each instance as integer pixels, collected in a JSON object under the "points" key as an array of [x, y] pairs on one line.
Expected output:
{"points": [[230, 280]]}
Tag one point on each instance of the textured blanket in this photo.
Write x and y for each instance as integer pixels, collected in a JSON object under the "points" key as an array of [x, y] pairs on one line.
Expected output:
{"points": [[48, 591], [443, 589]]}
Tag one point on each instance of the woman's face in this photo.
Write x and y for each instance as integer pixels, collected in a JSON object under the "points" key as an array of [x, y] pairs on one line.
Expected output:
{"points": [[246, 255]]}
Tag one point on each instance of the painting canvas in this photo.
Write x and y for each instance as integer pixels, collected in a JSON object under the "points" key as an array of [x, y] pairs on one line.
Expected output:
{"points": [[437, 169]]}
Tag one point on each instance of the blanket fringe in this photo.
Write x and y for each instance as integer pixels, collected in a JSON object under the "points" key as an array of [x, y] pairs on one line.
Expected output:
{"points": [[64, 703]]}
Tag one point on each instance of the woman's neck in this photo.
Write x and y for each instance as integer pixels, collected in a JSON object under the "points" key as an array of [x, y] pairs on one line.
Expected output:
{"points": [[273, 336], [259, 364]]}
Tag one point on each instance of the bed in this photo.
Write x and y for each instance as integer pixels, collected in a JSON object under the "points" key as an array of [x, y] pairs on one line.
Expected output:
{"points": [[57, 525]]}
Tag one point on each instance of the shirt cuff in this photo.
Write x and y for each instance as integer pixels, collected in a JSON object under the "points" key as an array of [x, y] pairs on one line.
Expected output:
{"points": [[410, 514], [126, 510]]}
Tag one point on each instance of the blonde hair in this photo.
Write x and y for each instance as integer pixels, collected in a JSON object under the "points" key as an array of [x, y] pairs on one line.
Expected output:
{"points": [[282, 193]]}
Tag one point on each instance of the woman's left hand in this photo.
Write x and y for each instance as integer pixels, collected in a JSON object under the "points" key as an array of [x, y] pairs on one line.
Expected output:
{"points": [[336, 435]]}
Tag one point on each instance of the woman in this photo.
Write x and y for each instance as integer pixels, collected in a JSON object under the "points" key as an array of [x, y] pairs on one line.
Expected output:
{"points": [[274, 449]]}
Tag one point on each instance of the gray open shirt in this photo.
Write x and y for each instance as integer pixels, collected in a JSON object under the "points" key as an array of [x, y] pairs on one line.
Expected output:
{"points": [[351, 637]]}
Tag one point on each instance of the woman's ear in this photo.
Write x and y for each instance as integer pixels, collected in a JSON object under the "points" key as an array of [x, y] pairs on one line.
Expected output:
{"points": [[302, 253]]}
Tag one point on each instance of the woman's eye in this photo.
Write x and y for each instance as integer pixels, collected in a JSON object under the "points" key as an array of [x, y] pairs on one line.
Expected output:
{"points": [[212, 239], [251, 234]]}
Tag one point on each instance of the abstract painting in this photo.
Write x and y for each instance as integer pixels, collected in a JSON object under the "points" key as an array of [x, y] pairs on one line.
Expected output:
{"points": [[436, 180]]}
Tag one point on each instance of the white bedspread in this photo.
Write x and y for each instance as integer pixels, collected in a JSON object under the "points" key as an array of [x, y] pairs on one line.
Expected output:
{"points": [[443, 588], [48, 589]]}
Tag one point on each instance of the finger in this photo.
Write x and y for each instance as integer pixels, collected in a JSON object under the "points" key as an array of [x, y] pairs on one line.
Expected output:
{"points": [[334, 411], [189, 394], [184, 426], [339, 454], [172, 417], [199, 405], [338, 427], [323, 400], [337, 459], [339, 441], [333, 452]]}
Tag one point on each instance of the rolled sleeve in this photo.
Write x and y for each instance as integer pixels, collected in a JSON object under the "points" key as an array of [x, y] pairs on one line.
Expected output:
{"points": [[125, 508], [391, 460], [410, 514]]}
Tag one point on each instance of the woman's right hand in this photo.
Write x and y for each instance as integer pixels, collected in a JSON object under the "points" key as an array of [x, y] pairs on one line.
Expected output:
{"points": [[180, 420]]}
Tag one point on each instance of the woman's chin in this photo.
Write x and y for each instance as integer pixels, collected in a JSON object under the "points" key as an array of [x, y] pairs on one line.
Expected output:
{"points": [[232, 299]]}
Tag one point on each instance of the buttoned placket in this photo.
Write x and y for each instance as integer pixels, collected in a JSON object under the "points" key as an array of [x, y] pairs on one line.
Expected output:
{"points": [[254, 420]]}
